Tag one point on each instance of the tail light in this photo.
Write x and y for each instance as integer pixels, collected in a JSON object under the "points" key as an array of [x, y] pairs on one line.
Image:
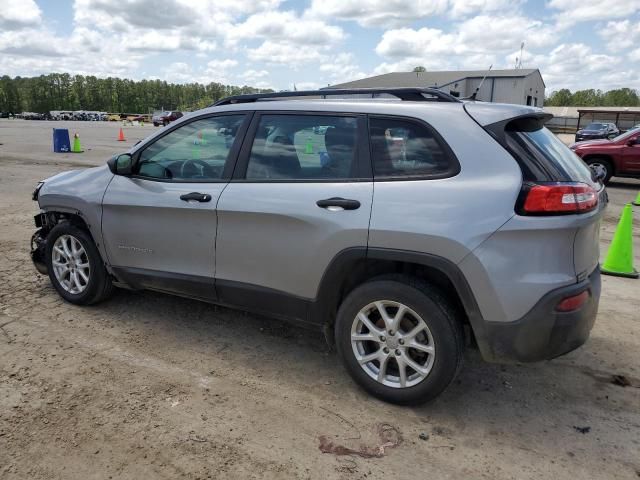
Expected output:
{"points": [[570, 304], [557, 198]]}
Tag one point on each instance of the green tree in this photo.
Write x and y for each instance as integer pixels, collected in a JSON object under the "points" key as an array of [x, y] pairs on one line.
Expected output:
{"points": [[560, 98], [419, 69], [61, 91]]}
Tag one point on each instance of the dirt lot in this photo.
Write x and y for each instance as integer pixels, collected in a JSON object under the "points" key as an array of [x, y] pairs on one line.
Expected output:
{"points": [[152, 386]]}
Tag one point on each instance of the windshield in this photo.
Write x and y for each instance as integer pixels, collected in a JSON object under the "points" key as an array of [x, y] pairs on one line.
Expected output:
{"points": [[626, 134], [595, 126]]}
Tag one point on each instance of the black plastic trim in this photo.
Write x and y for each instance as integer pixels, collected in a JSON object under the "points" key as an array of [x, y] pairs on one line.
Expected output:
{"points": [[403, 93], [544, 333], [347, 260], [191, 286], [262, 300]]}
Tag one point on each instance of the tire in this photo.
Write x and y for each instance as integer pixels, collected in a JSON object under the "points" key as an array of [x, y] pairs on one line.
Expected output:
{"points": [[98, 285], [601, 164], [443, 334]]}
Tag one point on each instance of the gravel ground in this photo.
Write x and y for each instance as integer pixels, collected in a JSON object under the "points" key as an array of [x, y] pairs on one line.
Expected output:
{"points": [[152, 386]]}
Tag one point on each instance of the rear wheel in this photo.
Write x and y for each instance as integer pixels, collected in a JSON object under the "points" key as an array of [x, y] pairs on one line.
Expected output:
{"points": [[75, 267], [399, 339], [601, 167]]}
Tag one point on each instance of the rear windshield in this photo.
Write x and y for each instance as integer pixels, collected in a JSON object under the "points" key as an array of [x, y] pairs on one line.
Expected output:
{"points": [[546, 157], [595, 126]]}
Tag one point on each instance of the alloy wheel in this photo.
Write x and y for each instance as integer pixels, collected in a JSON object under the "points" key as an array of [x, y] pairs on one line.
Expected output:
{"points": [[392, 344], [70, 264]]}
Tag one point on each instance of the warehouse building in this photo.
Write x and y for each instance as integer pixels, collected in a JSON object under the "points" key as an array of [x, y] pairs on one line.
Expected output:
{"points": [[520, 86]]}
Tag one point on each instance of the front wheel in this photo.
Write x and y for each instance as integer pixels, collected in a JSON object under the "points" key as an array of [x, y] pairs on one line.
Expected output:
{"points": [[75, 267], [399, 339]]}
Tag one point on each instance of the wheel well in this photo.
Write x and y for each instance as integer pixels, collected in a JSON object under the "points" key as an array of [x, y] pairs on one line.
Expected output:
{"points": [[52, 218], [609, 160], [362, 270]]}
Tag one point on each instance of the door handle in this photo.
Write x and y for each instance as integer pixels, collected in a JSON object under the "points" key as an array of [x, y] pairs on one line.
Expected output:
{"points": [[198, 197], [343, 203]]}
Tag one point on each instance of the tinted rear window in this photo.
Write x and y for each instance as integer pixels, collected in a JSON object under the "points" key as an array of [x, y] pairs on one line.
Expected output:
{"points": [[546, 157], [403, 148]]}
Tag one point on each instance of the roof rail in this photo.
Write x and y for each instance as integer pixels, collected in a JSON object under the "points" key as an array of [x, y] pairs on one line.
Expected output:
{"points": [[406, 94]]}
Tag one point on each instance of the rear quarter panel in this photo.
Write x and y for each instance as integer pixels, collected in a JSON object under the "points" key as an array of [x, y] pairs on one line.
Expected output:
{"points": [[449, 217]]}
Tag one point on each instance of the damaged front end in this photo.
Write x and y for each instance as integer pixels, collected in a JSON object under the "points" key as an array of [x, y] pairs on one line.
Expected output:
{"points": [[39, 243]]}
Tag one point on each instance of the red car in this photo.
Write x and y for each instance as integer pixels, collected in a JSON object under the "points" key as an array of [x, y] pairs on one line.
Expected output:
{"points": [[618, 157], [165, 118]]}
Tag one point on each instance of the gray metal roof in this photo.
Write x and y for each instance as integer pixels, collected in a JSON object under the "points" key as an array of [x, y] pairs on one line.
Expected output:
{"points": [[427, 79], [573, 111]]}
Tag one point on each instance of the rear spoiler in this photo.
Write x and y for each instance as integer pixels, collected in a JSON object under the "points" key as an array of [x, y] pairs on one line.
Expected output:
{"points": [[491, 113]]}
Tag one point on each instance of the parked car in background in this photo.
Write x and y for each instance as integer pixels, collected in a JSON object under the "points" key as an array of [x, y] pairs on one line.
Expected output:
{"points": [[138, 118], [30, 116], [597, 130], [6, 115], [113, 117], [229, 206], [618, 157], [165, 118]]}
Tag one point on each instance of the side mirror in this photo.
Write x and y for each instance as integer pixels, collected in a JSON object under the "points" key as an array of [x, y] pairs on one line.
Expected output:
{"points": [[633, 141], [121, 164]]}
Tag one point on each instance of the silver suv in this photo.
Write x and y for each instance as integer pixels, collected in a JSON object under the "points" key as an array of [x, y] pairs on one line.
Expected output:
{"points": [[407, 225]]}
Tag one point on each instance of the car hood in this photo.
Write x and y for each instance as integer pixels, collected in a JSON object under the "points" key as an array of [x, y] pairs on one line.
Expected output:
{"points": [[75, 188], [588, 143]]}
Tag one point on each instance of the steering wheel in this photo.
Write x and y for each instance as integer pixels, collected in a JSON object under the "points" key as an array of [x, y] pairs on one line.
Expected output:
{"points": [[189, 169]]}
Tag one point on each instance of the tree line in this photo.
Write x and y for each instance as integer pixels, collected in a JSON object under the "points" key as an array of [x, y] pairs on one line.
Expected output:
{"points": [[621, 97], [62, 91]]}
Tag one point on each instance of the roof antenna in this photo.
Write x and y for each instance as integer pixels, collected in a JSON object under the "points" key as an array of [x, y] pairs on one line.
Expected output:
{"points": [[475, 93], [519, 63]]}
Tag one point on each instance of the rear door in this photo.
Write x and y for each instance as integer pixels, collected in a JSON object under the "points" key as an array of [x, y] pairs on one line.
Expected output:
{"points": [[159, 224], [301, 193]]}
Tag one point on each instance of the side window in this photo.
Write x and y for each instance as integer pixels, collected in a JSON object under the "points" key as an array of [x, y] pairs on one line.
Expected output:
{"points": [[195, 151], [402, 148], [303, 147]]}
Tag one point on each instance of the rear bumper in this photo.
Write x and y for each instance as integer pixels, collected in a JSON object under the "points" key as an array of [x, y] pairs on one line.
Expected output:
{"points": [[544, 333]]}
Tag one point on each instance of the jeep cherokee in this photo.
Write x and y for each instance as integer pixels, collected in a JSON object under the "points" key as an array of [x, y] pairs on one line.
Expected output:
{"points": [[406, 227]]}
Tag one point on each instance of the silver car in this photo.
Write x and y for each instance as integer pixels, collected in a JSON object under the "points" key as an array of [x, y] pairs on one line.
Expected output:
{"points": [[406, 228]]}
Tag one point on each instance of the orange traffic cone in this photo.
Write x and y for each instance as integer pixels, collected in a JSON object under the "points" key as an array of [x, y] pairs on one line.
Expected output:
{"points": [[121, 136]]}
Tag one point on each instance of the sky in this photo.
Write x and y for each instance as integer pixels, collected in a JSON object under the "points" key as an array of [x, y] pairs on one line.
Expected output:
{"points": [[576, 44]]}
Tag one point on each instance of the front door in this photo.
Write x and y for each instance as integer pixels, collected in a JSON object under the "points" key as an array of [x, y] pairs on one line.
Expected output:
{"points": [[159, 224], [631, 154], [302, 193]]}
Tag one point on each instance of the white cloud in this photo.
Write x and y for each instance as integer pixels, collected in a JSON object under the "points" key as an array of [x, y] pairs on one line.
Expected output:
{"points": [[476, 43], [16, 14], [574, 11], [381, 13], [284, 53], [254, 75], [286, 27], [621, 35], [341, 68], [396, 13], [465, 8], [568, 65]]}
